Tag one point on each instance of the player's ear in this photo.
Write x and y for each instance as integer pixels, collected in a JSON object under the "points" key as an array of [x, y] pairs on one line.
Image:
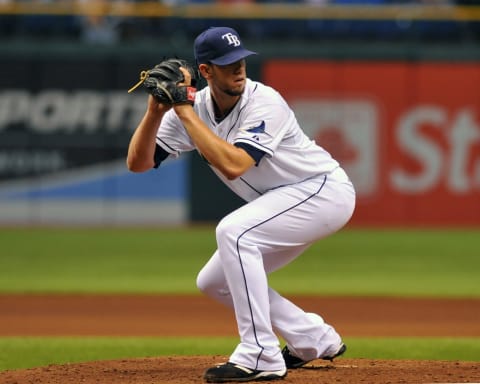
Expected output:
{"points": [[205, 70]]}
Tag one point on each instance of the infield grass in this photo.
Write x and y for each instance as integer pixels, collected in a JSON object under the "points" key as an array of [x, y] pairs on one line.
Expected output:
{"points": [[441, 263], [28, 352]]}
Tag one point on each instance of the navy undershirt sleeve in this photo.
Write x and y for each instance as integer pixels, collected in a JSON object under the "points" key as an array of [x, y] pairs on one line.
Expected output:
{"points": [[255, 153], [159, 156]]}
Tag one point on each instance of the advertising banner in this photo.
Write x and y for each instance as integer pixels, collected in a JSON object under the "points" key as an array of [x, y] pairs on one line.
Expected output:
{"points": [[65, 125], [408, 133]]}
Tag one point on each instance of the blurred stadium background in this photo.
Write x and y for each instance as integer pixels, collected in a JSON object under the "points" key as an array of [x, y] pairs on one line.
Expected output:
{"points": [[390, 88]]}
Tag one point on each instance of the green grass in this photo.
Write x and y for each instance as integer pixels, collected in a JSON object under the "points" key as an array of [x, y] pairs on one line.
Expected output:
{"points": [[392, 262], [102, 260], [167, 260], [28, 352]]}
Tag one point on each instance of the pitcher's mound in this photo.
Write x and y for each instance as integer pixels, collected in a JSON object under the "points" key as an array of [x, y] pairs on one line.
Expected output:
{"points": [[189, 369]]}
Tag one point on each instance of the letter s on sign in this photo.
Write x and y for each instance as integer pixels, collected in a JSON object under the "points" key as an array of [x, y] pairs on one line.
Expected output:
{"points": [[411, 141]]}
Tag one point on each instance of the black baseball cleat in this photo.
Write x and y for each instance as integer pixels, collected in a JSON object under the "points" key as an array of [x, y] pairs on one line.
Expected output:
{"points": [[233, 372], [339, 352], [293, 362]]}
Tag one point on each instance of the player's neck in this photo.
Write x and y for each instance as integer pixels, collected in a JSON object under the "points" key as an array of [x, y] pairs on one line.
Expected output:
{"points": [[224, 106]]}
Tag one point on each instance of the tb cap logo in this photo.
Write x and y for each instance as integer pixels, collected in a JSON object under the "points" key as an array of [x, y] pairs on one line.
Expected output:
{"points": [[231, 39]]}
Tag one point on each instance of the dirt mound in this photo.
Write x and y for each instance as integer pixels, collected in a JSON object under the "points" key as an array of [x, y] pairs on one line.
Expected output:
{"points": [[187, 370]]}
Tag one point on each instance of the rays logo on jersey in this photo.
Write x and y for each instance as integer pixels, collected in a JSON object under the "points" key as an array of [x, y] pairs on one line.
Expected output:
{"points": [[260, 128], [256, 129]]}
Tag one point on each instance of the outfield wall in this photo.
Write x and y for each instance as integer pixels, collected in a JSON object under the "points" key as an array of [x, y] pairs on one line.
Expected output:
{"points": [[404, 121]]}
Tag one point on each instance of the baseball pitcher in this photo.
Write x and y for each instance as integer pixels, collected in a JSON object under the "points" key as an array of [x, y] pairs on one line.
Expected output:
{"points": [[295, 194]]}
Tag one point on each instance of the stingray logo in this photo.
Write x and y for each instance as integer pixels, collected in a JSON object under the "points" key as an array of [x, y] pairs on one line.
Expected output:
{"points": [[258, 129]]}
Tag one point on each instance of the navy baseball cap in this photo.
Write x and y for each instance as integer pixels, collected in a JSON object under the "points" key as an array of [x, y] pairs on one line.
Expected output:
{"points": [[220, 46]]}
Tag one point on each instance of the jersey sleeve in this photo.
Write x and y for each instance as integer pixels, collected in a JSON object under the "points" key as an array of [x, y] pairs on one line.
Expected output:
{"points": [[264, 125], [172, 136], [255, 153], [159, 156]]}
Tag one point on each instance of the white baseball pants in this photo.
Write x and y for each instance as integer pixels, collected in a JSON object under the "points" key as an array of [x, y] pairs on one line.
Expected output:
{"points": [[261, 237]]}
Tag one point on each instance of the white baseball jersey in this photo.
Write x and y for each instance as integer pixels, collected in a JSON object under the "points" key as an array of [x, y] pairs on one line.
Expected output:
{"points": [[263, 120]]}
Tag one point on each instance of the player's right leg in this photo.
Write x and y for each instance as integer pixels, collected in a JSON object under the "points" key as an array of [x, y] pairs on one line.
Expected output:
{"points": [[211, 281]]}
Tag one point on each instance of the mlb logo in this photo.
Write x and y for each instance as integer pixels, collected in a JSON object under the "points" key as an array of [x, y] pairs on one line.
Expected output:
{"points": [[348, 129]]}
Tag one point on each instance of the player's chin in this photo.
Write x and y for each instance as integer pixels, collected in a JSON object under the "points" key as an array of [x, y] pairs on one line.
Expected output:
{"points": [[236, 91]]}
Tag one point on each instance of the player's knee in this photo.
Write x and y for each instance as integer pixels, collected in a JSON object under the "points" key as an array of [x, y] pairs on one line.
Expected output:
{"points": [[233, 235], [206, 282], [203, 284], [211, 287], [225, 231]]}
